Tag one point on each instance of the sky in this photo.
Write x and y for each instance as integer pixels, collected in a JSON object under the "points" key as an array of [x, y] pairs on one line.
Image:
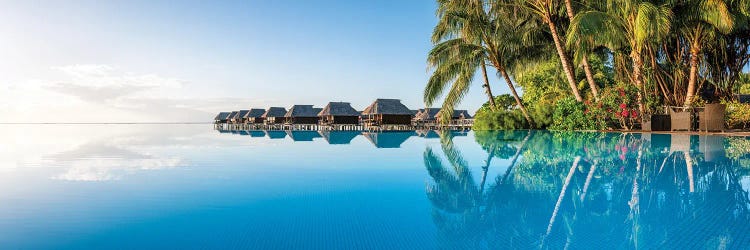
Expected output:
{"points": [[184, 61]]}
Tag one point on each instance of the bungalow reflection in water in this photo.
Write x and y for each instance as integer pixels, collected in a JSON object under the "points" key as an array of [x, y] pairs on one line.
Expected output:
{"points": [[556, 190], [388, 139]]}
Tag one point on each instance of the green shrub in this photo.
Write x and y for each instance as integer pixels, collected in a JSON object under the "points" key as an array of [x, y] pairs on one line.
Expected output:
{"points": [[503, 102], [744, 89], [570, 114], [738, 115], [743, 84], [499, 120], [541, 114]]}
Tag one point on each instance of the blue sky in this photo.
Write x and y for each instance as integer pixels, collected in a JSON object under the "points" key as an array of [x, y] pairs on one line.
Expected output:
{"points": [[158, 61]]}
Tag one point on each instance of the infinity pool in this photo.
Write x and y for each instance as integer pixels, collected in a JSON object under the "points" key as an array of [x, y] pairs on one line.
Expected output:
{"points": [[191, 186]]}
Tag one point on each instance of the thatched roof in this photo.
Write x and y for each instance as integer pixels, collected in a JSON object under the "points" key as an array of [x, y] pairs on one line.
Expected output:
{"points": [[276, 134], [222, 116], [339, 137], [242, 114], [414, 112], [254, 113], [457, 114], [387, 107], [302, 111], [428, 114], [274, 112], [298, 135], [464, 114], [388, 139], [338, 109], [233, 114]]}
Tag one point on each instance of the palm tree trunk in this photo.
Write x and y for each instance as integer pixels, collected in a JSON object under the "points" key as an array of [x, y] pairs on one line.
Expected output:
{"points": [[590, 77], [485, 168], [588, 180], [585, 60], [564, 59], [487, 88], [638, 80], [689, 164], [694, 51], [515, 95], [635, 201], [560, 197], [515, 158]]}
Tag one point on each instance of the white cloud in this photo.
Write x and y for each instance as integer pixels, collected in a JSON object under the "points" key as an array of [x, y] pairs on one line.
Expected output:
{"points": [[94, 75], [104, 93], [113, 169]]}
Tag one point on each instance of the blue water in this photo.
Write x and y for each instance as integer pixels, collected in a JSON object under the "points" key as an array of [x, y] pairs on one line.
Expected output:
{"points": [[190, 186]]}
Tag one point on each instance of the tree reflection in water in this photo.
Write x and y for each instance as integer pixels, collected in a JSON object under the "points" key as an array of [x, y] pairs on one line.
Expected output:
{"points": [[584, 190]]}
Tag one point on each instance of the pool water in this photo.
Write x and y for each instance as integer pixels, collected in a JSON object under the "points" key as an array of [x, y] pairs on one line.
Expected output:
{"points": [[191, 186]]}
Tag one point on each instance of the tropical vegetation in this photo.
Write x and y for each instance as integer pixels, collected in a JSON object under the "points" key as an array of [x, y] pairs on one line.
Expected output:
{"points": [[630, 190], [609, 63]]}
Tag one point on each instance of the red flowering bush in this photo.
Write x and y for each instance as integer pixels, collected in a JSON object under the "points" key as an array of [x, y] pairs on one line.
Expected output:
{"points": [[619, 106]]}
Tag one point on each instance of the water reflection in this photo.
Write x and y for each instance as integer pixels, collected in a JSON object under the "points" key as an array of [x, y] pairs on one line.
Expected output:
{"points": [[339, 137], [303, 135], [388, 139], [276, 134], [569, 190], [185, 186], [558, 190], [94, 153]]}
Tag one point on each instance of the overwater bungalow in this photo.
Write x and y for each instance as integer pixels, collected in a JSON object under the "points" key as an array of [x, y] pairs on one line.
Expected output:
{"points": [[337, 115], [275, 134], [460, 118], [390, 139], [339, 137], [302, 114], [388, 114], [230, 118], [302, 135], [255, 116], [419, 111], [274, 115], [428, 114], [240, 117], [222, 117], [427, 118]]}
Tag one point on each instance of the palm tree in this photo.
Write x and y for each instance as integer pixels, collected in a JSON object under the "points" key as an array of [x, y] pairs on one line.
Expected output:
{"points": [[584, 57], [454, 62], [466, 36], [514, 43], [625, 26], [457, 54], [546, 10], [699, 23]]}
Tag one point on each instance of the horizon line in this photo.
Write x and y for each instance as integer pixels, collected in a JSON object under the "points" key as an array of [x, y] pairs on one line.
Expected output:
{"points": [[95, 123]]}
